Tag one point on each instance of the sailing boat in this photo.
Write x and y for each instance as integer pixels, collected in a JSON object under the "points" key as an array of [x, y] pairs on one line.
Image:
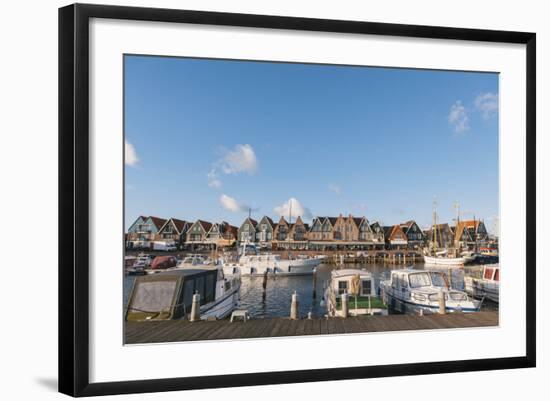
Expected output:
{"points": [[435, 257]]}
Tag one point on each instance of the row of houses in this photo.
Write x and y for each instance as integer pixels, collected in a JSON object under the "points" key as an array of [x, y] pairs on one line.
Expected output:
{"points": [[324, 233], [147, 230]]}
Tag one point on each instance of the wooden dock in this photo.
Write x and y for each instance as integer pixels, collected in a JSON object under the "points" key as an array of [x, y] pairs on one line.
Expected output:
{"points": [[182, 330]]}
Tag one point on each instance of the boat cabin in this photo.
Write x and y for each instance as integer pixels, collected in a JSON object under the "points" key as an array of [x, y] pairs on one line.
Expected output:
{"points": [[169, 295], [416, 279], [491, 272], [352, 281]]}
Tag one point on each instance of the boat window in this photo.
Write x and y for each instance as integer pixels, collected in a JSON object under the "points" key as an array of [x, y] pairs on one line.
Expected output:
{"points": [[438, 280], [394, 279], [497, 278], [366, 287], [342, 287], [488, 274], [458, 296], [199, 288], [227, 285], [188, 288], [419, 280]]}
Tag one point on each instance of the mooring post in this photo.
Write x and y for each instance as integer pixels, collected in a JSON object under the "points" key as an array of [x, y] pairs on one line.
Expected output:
{"points": [[294, 307], [345, 305], [442, 309], [195, 308]]}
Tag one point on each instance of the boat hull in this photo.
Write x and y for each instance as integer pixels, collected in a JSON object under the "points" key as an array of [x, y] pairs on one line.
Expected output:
{"points": [[396, 301], [297, 267], [221, 307], [479, 288], [442, 261]]}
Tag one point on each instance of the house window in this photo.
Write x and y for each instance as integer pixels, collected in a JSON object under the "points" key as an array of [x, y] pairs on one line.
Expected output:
{"points": [[245, 227], [342, 287]]}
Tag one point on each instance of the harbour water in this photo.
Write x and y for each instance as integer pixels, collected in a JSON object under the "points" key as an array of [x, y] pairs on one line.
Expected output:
{"points": [[275, 300]]}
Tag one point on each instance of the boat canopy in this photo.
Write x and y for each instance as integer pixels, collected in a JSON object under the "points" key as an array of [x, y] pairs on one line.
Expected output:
{"points": [[169, 295]]}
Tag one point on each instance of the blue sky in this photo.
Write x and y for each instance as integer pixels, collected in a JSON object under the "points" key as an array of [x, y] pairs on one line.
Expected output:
{"points": [[210, 139]]}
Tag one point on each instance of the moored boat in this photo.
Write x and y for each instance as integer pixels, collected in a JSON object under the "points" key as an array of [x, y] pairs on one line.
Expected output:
{"points": [[260, 264], [360, 287], [422, 291], [488, 285], [169, 294]]}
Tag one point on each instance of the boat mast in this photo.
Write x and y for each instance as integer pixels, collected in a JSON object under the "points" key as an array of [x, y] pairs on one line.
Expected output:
{"points": [[289, 222], [434, 228]]}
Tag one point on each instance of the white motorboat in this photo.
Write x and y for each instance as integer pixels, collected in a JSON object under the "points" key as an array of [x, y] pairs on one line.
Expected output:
{"points": [[169, 294], [359, 286], [260, 264], [192, 261], [488, 285], [422, 290]]}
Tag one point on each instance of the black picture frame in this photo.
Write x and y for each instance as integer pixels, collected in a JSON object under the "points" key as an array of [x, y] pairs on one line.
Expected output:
{"points": [[74, 198]]}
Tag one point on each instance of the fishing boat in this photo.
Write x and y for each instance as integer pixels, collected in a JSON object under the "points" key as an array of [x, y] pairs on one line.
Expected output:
{"points": [[433, 256], [169, 294], [268, 263], [359, 286], [488, 285], [421, 291]]}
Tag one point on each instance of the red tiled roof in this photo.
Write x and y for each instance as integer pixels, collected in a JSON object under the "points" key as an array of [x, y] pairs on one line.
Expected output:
{"points": [[157, 221], [180, 224]]}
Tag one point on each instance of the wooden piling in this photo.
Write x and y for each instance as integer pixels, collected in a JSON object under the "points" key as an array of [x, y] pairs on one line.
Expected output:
{"points": [[195, 308], [442, 308], [345, 305], [294, 307]]}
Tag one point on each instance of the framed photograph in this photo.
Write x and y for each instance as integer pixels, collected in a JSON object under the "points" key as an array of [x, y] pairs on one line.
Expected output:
{"points": [[252, 199]]}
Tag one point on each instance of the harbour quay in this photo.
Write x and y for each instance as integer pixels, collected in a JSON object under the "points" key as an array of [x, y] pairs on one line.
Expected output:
{"points": [[183, 330]]}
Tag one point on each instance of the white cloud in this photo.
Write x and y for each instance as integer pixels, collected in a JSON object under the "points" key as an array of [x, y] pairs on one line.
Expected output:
{"points": [[297, 210], [334, 188], [130, 154], [458, 117], [241, 159], [487, 103], [231, 204], [213, 180]]}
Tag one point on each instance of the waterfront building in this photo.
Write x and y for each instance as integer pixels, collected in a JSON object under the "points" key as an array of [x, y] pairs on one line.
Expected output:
{"points": [[415, 237], [143, 231], [196, 235], [264, 232], [174, 230], [395, 237], [221, 234], [445, 235], [471, 233], [247, 231], [378, 238]]}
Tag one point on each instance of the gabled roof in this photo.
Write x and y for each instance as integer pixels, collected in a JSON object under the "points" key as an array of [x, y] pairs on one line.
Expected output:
{"points": [[358, 221], [251, 221], [179, 224], [157, 221], [268, 220], [206, 226], [391, 231], [468, 224]]}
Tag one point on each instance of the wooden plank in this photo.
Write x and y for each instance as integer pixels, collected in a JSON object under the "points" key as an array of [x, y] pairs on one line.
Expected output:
{"points": [[170, 331]]}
